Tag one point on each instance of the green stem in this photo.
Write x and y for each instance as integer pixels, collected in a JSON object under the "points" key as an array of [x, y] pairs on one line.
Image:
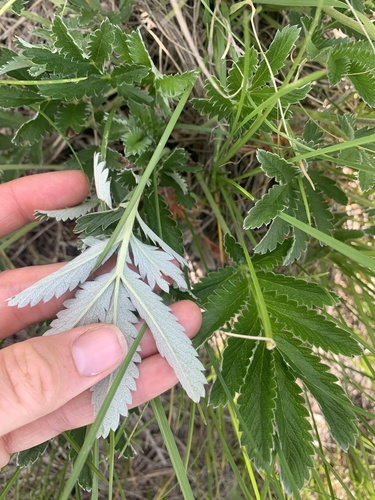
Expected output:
{"points": [[212, 203], [138, 191], [94, 428], [173, 452], [42, 82]]}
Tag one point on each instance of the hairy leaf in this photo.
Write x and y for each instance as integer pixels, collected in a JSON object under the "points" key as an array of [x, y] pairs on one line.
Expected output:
{"points": [[30, 456], [363, 82], [207, 286], [13, 97], [97, 222], [172, 86], [137, 50], [71, 117], [102, 182], [233, 249], [65, 214], [277, 233], [64, 41], [270, 259]]}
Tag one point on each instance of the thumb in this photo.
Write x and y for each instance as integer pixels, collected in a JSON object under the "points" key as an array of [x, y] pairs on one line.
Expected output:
{"points": [[39, 375]]}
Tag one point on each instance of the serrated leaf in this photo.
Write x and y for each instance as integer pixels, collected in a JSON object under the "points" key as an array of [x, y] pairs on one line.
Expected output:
{"points": [[64, 41], [167, 233], [270, 259], [305, 293], [101, 44], [56, 63], [328, 187], [337, 69], [257, 406], [310, 326], [35, 129], [207, 286], [129, 73], [153, 264], [366, 179], [363, 82], [18, 6], [177, 159], [63, 280], [120, 44], [275, 166], [237, 355], [65, 214], [276, 55], [312, 133], [299, 245], [347, 123], [96, 223], [172, 86], [233, 249], [223, 304], [14, 97], [102, 180], [268, 207], [277, 233], [91, 86], [293, 428], [169, 335], [323, 386], [136, 141], [137, 50], [217, 103], [132, 93], [30, 456], [319, 208], [71, 117], [236, 77]]}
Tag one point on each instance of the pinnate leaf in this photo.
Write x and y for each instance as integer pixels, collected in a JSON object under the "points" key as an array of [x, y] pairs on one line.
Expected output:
{"points": [[363, 82], [64, 41], [102, 182], [65, 214]]}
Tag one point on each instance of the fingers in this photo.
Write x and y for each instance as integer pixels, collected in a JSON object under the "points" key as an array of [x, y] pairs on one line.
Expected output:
{"points": [[21, 197], [41, 374], [155, 377]]}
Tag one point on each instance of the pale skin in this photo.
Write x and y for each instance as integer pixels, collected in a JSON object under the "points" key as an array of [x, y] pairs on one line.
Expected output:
{"points": [[45, 381]]}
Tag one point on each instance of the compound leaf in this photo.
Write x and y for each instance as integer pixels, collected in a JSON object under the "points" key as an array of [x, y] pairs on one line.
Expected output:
{"points": [[267, 208], [102, 181], [275, 166], [64, 41], [101, 44]]}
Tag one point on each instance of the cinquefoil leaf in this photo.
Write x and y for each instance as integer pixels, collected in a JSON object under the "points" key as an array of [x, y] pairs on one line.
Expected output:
{"points": [[275, 166], [64, 41], [64, 214], [267, 208], [102, 182], [101, 44]]}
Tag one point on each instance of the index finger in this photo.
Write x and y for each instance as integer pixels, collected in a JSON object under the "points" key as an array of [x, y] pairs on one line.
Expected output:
{"points": [[20, 198]]}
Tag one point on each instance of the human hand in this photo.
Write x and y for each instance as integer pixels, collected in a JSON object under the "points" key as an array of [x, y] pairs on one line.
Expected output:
{"points": [[45, 381]]}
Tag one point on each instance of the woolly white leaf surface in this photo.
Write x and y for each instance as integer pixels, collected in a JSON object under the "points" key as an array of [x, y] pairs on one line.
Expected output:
{"points": [[152, 263], [67, 213], [102, 184], [155, 238], [169, 335], [65, 279], [179, 180]]}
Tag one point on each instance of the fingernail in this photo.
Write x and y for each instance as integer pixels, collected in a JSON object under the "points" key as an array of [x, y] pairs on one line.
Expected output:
{"points": [[98, 349]]}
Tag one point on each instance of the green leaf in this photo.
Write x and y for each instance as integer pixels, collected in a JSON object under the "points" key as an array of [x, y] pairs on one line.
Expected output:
{"points": [[137, 50], [305, 293], [121, 45], [168, 229], [236, 77], [331, 398], [257, 406], [64, 41], [299, 245], [91, 86], [172, 86], [276, 55], [96, 223], [136, 141], [30, 456], [222, 305], [312, 133], [132, 93], [293, 428], [270, 259], [207, 286], [14, 97], [18, 6], [337, 69], [267, 208], [275, 166], [216, 104], [101, 44], [128, 73], [72, 117], [233, 249], [363, 82], [310, 326], [58, 64], [35, 129], [276, 234], [328, 187], [237, 355], [319, 208], [366, 179]]}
